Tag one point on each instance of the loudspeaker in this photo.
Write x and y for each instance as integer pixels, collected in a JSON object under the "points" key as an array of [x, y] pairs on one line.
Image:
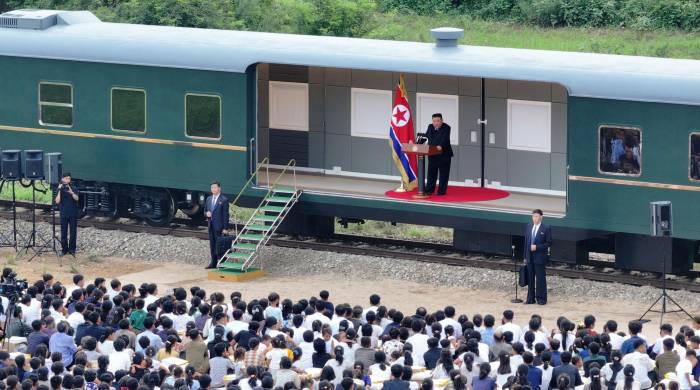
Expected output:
{"points": [[661, 219], [33, 164], [53, 167], [10, 164]]}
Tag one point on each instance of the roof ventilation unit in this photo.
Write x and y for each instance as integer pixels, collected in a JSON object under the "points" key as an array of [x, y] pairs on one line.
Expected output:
{"points": [[447, 36], [29, 19]]}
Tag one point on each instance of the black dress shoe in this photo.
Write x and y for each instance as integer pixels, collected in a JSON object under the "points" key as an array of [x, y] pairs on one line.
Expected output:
{"points": [[541, 303], [441, 193], [210, 267], [529, 303]]}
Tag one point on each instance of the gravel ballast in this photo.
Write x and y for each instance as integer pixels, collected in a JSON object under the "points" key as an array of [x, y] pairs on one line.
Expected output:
{"points": [[300, 262]]}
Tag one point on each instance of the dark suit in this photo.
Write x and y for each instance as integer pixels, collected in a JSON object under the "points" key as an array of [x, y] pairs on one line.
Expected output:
{"points": [[440, 163], [69, 219], [217, 223], [536, 262]]}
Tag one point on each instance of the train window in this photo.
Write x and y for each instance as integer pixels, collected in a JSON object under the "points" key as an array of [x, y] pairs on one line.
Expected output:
{"points": [[620, 150], [695, 156], [55, 104], [202, 116], [128, 109]]}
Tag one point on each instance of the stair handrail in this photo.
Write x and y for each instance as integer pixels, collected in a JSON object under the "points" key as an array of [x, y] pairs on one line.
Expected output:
{"points": [[264, 163], [291, 164]]}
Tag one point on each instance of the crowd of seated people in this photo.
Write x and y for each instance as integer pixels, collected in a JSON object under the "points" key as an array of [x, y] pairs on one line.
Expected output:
{"points": [[102, 336]]}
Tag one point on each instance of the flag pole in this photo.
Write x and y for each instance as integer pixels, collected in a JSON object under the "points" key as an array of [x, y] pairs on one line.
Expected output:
{"points": [[402, 88]]}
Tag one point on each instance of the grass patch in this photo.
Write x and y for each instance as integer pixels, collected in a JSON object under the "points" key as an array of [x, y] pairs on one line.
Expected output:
{"points": [[25, 193], [657, 43], [400, 231]]}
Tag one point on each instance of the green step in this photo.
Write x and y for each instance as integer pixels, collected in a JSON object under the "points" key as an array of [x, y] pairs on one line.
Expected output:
{"points": [[251, 237], [274, 209], [258, 227], [244, 246], [278, 199], [284, 190], [238, 255], [263, 217], [229, 265]]}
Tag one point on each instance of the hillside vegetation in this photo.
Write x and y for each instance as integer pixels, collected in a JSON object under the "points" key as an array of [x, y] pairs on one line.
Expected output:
{"points": [[665, 28]]}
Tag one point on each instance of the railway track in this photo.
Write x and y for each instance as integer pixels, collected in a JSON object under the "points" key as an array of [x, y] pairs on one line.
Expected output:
{"points": [[387, 247]]}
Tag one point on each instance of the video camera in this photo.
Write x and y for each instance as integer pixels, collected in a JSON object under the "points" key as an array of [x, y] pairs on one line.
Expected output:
{"points": [[10, 286]]}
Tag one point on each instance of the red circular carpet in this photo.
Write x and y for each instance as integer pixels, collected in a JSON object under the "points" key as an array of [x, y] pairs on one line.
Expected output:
{"points": [[455, 194]]}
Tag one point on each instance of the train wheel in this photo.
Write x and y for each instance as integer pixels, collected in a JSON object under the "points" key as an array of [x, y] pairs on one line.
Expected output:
{"points": [[167, 205]]}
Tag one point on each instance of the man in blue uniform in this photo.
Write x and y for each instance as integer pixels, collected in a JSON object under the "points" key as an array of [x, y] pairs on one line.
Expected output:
{"points": [[216, 210], [438, 134], [67, 201], [538, 239]]}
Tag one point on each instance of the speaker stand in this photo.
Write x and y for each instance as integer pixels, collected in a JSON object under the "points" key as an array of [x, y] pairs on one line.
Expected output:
{"points": [[663, 298], [30, 241], [47, 244], [8, 240]]}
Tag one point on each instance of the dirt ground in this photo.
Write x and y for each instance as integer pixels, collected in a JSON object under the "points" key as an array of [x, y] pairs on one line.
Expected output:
{"points": [[405, 296]]}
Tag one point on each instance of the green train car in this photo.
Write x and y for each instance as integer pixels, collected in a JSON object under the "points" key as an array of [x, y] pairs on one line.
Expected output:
{"points": [[148, 116]]}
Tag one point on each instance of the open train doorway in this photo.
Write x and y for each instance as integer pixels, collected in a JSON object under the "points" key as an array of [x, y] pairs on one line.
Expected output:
{"points": [[506, 134]]}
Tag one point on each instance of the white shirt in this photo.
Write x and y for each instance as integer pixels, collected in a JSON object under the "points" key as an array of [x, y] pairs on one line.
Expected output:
{"points": [[533, 233], [180, 321], [367, 310], [307, 351], [298, 334], [75, 319], [659, 344], [119, 361], [455, 325], [512, 328], [335, 325], [642, 365], [313, 317], [149, 299], [419, 342], [236, 326], [57, 317], [616, 340], [30, 312], [682, 368], [570, 338]]}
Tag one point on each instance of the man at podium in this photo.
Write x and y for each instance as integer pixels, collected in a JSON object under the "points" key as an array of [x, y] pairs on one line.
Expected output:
{"points": [[438, 134]]}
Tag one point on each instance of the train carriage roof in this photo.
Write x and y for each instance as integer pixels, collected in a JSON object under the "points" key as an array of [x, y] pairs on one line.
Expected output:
{"points": [[80, 36]]}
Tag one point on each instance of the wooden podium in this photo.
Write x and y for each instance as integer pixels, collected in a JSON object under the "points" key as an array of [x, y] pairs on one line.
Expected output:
{"points": [[420, 151]]}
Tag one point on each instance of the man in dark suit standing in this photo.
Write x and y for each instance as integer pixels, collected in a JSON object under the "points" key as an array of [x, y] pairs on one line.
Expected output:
{"points": [[216, 211], [438, 134], [67, 201], [538, 239]]}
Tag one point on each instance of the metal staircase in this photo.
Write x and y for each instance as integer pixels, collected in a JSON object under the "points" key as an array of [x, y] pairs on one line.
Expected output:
{"points": [[264, 221]]}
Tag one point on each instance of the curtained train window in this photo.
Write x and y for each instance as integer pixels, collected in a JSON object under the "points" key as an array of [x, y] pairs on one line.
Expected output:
{"points": [[203, 116], [55, 104]]}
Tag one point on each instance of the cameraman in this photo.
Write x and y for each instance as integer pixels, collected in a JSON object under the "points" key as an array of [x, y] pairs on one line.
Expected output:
{"points": [[67, 201]]}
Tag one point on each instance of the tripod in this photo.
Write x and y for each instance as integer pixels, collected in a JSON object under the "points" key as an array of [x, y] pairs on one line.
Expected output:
{"points": [[47, 244], [31, 238], [9, 313], [517, 275], [663, 298], [6, 241]]}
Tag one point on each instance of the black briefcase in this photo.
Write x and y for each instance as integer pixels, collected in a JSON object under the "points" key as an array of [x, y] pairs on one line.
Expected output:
{"points": [[223, 243], [522, 276]]}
